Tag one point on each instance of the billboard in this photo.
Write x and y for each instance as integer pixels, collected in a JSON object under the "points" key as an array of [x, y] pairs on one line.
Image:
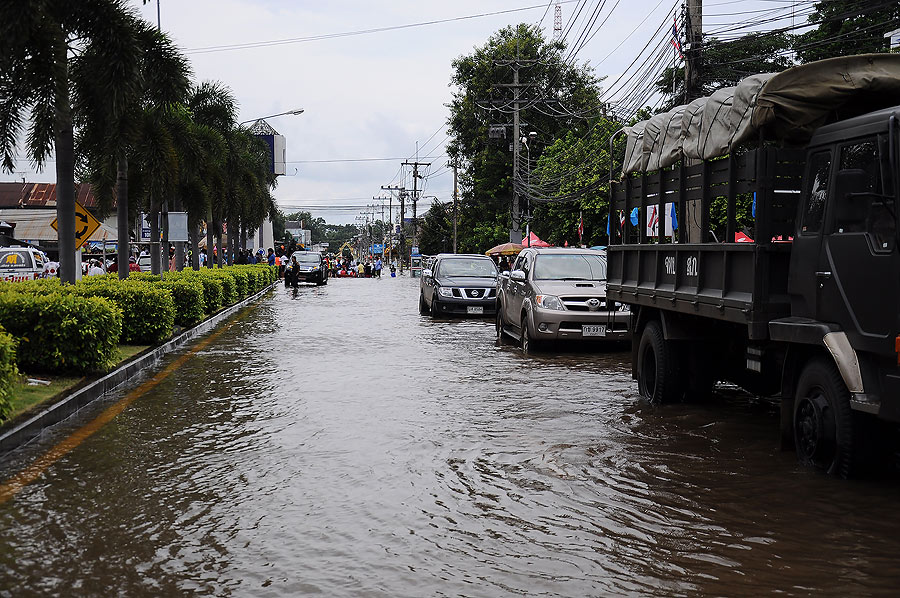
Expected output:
{"points": [[277, 152]]}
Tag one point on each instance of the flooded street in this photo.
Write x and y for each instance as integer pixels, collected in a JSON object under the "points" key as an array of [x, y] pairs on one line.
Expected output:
{"points": [[332, 441]]}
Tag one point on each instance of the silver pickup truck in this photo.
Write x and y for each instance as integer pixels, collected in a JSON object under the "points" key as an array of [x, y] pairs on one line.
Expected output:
{"points": [[558, 294]]}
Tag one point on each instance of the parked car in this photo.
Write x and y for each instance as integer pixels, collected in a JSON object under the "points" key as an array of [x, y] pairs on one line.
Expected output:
{"points": [[310, 268], [459, 284], [558, 294], [144, 263], [21, 263]]}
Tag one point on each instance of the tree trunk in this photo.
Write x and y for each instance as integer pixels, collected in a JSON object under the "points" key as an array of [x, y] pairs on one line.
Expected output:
{"points": [[220, 249], [122, 251], [165, 236], [155, 267], [65, 169], [209, 237], [179, 245]]}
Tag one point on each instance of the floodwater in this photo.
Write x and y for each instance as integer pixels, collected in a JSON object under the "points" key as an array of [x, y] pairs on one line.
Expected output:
{"points": [[332, 442]]}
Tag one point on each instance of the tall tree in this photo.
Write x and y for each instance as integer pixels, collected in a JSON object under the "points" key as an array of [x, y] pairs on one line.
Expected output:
{"points": [[556, 95], [41, 42], [108, 144], [846, 27]]}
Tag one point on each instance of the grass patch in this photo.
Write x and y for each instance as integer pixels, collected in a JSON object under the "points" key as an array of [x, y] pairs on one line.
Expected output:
{"points": [[26, 397]]}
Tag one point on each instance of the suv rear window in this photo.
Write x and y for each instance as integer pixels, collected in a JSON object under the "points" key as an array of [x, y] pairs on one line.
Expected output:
{"points": [[578, 267], [15, 260]]}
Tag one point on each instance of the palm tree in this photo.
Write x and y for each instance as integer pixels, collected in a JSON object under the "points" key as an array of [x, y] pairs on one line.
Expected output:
{"points": [[42, 42], [109, 143]]}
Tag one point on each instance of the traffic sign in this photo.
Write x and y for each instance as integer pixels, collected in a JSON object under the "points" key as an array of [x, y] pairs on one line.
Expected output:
{"points": [[85, 225], [377, 248]]}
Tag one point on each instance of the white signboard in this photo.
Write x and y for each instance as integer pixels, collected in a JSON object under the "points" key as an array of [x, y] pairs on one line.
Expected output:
{"points": [[178, 226]]}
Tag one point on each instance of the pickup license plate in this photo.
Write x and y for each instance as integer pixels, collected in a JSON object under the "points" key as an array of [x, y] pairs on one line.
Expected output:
{"points": [[593, 330], [475, 309]]}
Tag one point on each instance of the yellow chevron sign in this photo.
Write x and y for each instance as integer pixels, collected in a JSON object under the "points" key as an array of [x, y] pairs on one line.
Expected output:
{"points": [[85, 225]]}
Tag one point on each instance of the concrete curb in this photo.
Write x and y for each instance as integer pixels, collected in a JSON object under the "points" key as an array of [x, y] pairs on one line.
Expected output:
{"points": [[24, 432]]}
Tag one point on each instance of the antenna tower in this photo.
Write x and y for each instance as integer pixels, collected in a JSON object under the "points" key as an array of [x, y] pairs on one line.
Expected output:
{"points": [[557, 21]]}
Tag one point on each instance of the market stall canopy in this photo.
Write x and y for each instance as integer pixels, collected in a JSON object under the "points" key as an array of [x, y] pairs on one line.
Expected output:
{"points": [[532, 240], [787, 107], [504, 249]]}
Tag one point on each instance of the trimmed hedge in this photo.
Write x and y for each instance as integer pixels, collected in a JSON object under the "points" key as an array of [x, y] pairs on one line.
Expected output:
{"points": [[148, 310], [61, 331], [9, 373], [188, 297]]}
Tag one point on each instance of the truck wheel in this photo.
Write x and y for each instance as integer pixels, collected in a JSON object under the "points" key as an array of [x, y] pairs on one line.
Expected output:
{"points": [[657, 367], [528, 343], [434, 307], [423, 307], [823, 422]]}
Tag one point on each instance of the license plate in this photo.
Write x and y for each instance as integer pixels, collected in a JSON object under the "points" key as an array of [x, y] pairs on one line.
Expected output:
{"points": [[473, 309], [593, 330]]}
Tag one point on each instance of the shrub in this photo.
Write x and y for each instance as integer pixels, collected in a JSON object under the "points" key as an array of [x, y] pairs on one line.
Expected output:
{"points": [[188, 298], [61, 331], [212, 288], [148, 310], [240, 281], [229, 285], [9, 373]]}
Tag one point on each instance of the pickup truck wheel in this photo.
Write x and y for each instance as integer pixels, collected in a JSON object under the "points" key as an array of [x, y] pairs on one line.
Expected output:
{"points": [[528, 343], [498, 326], [423, 307], [434, 307], [823, 422], [657, 366]]}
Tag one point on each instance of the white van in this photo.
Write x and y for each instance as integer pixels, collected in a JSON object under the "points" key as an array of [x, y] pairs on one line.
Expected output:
{"points": [[21, 263]]}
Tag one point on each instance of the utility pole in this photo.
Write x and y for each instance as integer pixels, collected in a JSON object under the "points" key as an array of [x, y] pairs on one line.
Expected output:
{"points": [[455, 198], [515, 230], [415, 196], [693, 59], [401, 191]]}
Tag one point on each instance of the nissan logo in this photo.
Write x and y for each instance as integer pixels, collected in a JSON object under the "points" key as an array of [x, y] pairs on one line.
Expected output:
{"points": [[474, 293], [593, 304]]}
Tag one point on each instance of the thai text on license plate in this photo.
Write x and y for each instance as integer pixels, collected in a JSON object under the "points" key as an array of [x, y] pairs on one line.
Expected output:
{"points": [[475, 309], [593, 330]]}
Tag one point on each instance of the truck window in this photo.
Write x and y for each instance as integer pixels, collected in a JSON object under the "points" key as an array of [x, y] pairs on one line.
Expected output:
{"points": [[865, 205], [814, 208]]}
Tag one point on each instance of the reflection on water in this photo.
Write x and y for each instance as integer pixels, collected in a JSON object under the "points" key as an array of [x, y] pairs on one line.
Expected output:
{"points": [[335, 442]]}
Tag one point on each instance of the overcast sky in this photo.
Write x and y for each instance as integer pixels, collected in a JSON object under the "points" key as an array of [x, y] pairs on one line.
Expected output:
{"points": [[374, 95]]}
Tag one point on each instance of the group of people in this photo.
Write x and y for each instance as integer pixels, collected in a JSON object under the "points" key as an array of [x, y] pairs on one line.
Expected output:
{"points": [[348, 267], [96, 266]]}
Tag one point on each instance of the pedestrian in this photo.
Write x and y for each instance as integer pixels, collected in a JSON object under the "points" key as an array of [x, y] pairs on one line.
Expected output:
{"points": [[378, 266], [95, 269], [295, 268], [368, 269], [360, 269], [133, 266], [271, 258]]}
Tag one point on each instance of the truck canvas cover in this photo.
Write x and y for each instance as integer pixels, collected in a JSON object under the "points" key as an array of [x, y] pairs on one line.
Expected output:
{"points": [[787, 106]]}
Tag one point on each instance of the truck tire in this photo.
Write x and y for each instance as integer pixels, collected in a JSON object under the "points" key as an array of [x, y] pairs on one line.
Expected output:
{"points": [[657, 366], [528, 343], [423, 307], [434, 307], [823, 422], [500, 327]]}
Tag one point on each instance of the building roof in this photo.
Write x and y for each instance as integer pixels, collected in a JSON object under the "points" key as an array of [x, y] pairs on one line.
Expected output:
{"points": [[41, 195], [33, 225]]}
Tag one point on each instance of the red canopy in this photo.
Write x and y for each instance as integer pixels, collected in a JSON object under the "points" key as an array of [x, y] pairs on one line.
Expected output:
{"points": [[532, 240]]}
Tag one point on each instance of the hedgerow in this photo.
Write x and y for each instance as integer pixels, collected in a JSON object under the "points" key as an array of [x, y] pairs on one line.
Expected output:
{"points": [[61, 331], [9, 373]]}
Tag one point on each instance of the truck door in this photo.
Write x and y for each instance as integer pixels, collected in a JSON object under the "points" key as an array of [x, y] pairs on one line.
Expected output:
{"points": [[858, 265], [803, 283], [518, 289]]}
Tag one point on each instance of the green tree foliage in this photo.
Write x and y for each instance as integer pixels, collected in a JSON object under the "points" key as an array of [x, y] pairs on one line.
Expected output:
{"points": [[848, 27], [727, 62], [436, 229], [482, 98]]}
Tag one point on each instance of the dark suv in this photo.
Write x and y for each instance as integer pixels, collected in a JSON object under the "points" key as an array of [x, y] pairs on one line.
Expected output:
{"points": [[462, 284], [310, 268]]}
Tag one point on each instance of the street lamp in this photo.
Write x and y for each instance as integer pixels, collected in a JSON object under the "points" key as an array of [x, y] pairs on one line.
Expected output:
{"points": [[295, 112]]}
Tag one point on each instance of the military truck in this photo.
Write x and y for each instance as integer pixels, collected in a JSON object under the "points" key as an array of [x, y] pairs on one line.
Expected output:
{"points": [[806, 309]]}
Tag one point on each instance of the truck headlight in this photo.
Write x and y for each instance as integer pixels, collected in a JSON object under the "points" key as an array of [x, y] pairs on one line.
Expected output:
{"points": [[549, 302], [445, 292]]}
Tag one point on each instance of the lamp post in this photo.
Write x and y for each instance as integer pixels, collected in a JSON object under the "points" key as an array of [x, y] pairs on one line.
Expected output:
{"points": [[296, 111]]}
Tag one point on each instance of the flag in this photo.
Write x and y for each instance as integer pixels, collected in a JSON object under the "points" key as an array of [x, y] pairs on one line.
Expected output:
{"points": [[653, 223], [674, 218], [676, 43], [566, 244], [753, 210], [621, 218], [634, 216], [581, 228], [608, 218]]}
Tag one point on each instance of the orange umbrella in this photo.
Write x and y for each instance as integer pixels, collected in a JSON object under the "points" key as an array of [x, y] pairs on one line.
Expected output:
{"points": [[504, 249]]}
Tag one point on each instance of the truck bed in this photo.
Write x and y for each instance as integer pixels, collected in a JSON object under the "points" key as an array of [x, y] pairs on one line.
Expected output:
{"points": [[744, 283]]}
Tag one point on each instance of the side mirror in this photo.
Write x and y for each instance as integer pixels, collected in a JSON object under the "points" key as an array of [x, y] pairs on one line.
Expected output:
{"points": [[505, 274], [426, 273], [518, 275]]}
